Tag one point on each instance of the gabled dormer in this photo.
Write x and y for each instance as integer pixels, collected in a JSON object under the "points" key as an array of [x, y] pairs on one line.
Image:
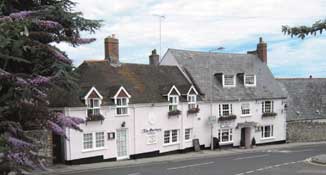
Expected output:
{"points": [[192, 100], [121, 101], [93, 100], [173, 98]]}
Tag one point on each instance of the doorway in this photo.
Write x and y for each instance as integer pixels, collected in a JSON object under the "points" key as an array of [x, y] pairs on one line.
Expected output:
{"points": [[245, 137], [122, 144]]}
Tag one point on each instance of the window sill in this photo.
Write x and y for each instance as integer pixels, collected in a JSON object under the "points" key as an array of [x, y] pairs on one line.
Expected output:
{"points": [[226, 143], [250, 85], [171, 144], [245, 115], [228, 86], [122, 115], [268, 138], [187, 141], [92, 150]]}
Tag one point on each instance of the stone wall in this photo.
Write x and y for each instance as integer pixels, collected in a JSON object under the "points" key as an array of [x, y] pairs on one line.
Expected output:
{"points": [[45, 138], [306, 131]]}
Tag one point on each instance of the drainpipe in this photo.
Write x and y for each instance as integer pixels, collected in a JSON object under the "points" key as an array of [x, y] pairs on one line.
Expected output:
{"points": [[134, 108]]}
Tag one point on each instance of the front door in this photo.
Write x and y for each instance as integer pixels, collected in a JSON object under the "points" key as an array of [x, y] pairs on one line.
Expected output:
{"points": [[243, 137], [122, 144]]}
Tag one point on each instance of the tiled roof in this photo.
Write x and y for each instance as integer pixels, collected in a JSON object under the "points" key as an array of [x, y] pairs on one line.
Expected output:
{"points": [[306, 98], [145, 83], [204, 66]]}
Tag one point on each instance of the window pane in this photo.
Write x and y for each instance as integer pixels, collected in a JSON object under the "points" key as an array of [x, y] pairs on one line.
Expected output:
{"points": [[99, 139], [96, 103], [166, 136], [124, 101], [228, 79], [88, 141], [225, 108], [174, 136], [250, 79], [187, 134], [245, 108], [119, 102], [268, 106], [225, 135]]}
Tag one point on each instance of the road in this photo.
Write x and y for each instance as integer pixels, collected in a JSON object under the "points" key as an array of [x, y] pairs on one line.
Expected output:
{"points": [[286, 161]]}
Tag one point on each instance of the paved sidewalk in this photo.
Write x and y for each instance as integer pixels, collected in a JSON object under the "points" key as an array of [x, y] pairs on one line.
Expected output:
{"points": [[66, 169]]}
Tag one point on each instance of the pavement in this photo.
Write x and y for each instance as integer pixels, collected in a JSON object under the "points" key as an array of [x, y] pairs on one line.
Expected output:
{"points": [[245, 161]]}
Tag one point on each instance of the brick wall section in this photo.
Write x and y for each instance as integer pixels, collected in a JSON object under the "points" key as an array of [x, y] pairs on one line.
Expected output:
{"points": [[306, 131], [45, 138]]}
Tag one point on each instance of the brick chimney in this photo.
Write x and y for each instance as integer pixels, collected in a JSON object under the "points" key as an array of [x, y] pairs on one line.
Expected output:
{"points": [[111, 47], [154, 58], [262, 50]]}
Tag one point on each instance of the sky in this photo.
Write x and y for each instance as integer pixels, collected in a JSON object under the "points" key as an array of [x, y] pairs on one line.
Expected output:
{"points": [[235, 25]]}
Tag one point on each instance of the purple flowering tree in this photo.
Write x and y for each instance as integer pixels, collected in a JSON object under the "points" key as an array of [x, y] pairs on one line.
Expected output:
{"points": [[32, 72]]}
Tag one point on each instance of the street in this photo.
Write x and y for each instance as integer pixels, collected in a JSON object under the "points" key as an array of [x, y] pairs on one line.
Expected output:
{"points": [[274, 161]]}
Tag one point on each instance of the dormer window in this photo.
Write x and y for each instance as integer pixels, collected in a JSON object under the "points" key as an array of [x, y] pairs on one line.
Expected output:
{"points": [[121, 101], [122, 106], [174, 101], [93, 106], [192, 101], [93, 100], [250, 80], [228, 81]]}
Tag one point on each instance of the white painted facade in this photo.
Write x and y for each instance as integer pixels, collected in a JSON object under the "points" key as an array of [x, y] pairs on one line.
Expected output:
{"points": [[155, 116]]}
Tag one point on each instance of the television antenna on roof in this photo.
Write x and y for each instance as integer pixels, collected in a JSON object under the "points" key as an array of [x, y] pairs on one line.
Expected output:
{"points": [[161, 18]]}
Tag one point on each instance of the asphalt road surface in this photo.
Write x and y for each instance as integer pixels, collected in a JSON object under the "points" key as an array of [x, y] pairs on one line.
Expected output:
{"points": [[287, 161]]}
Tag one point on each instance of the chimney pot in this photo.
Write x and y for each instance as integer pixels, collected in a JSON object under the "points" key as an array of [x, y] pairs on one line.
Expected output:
{"points": [[154, 58], [111, 48], [310, 76], [262, 50]]}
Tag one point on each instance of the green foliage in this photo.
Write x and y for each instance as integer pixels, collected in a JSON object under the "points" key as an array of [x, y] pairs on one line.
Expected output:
{"points": [[31, 67], [304, 31]]}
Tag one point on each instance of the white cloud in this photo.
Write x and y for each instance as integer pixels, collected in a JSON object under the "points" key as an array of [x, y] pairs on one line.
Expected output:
{"points": [[192, 24]]}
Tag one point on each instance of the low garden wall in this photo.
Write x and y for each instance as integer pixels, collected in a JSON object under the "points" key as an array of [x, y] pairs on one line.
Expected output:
{"points": [[306, 131]]}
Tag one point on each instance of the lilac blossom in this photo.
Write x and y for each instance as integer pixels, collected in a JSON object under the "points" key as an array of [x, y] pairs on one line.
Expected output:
{"points": [[40, 93], [21, 82], [56, 128], [17, 143], [49, 24], [58, 55], [21, 159], [20, 15], [40, 80], [5, 19], [70, 122], [84, 40]]}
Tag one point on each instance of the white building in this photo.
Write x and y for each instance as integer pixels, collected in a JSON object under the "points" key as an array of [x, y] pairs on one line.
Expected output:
{"points": [[135, 110]]}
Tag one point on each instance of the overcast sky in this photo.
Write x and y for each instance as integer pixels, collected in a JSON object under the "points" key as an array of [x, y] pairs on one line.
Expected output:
{"points": [[203, 25]]}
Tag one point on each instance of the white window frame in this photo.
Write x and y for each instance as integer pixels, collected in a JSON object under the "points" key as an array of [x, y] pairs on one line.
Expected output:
{"points": [[92, 107], [228, 85], [244, 109], [222, 110], [230, 135], [88, 141], [94, 141], [99, 140], [188, 134], [171, 137], [251, 76], [122, 106], [271, 132], [192, 101], [173, 104], [271, 109]]}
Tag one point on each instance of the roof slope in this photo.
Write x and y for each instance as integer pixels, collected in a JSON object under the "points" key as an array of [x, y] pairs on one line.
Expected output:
{"points": [[306, 98], [203, 66], [145, 83]]}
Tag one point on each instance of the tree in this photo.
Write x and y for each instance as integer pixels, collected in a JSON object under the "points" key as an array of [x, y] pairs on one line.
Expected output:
{"points": [[31, 67], [303, 31]]}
